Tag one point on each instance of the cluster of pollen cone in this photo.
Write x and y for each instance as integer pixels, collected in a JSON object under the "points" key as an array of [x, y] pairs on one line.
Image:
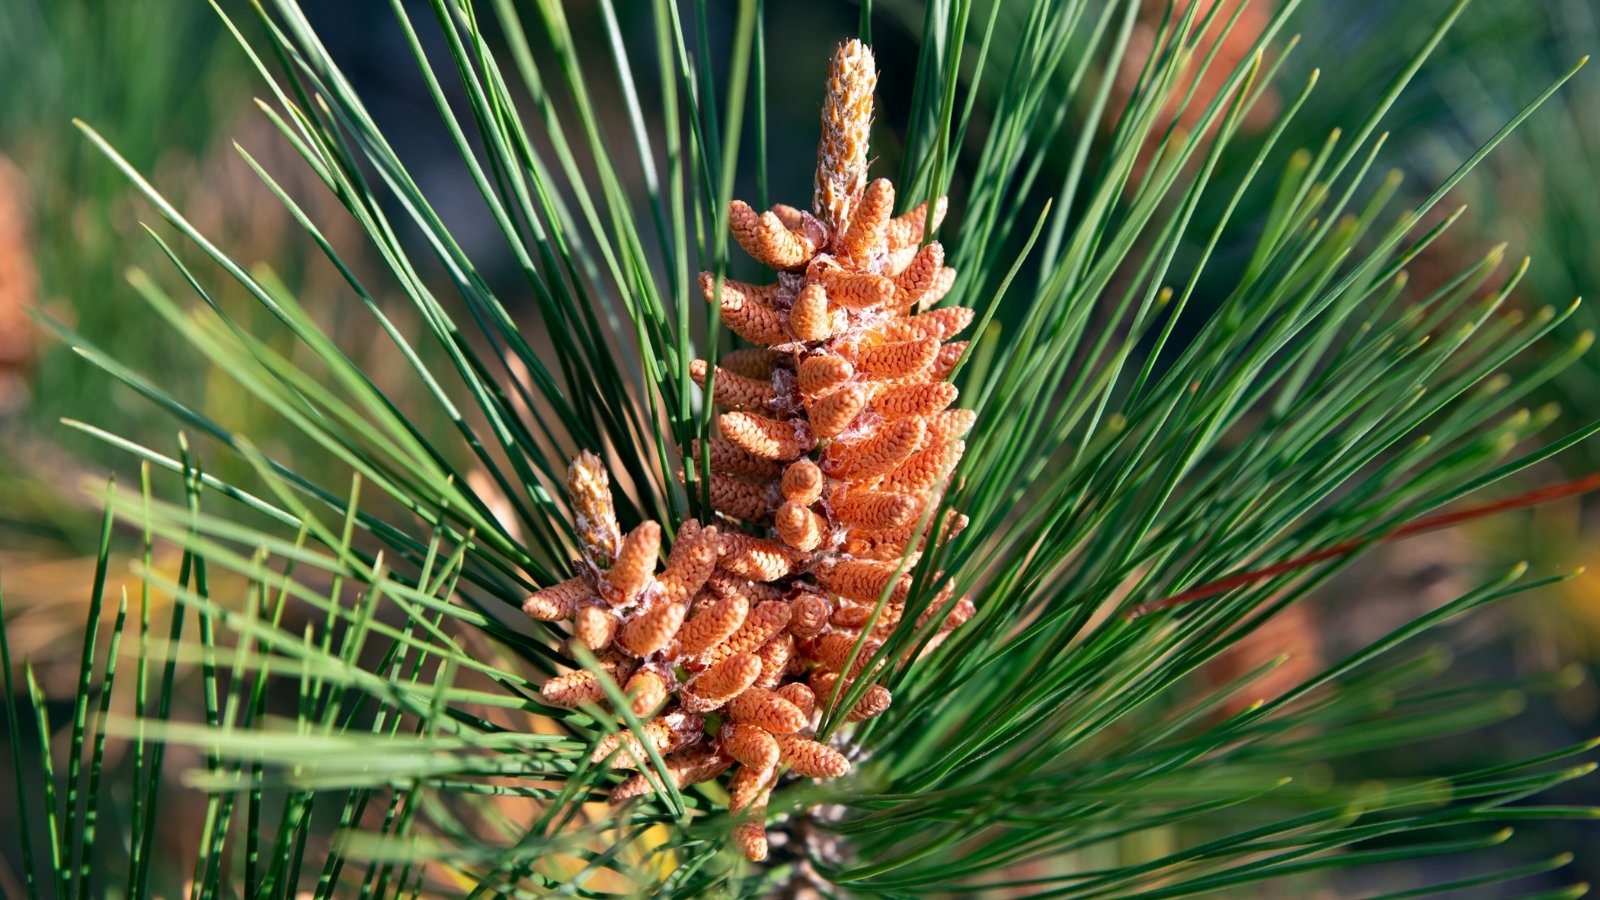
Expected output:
{"points": [[836, 437]]}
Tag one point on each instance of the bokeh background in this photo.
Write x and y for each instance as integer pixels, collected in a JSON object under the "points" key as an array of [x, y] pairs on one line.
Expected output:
{"points": [[167, 85]]}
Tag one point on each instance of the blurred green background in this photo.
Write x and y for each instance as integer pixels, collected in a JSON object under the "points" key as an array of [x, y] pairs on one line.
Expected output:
{"points": [[168, 86]]}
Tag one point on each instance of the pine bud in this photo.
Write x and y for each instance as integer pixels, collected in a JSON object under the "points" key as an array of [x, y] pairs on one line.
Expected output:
{"points": [[762, 625], [693, 558], [759, 558], [802, 482], [766, 438], [767, 239], [573, 689], [768, 710], [802, 697], [877, 510], [754, 748], [635, 564], [560, 601], [817, 375], [901, 359], [919, 276], [739, 499], [728, 458], [809, 317], [652, 630], [744, 312], [869, 225], [721, 683], [732, 390], [648, 691], [751, 362], [857, 290], [907, 229], [944, 362], [900, 401], [750, 835], [865, 582], [941, 287], [666, 733], [873, 702], [846, 127], [808, 615], [750, 787], [594, 517], [841, 360], [691, 766], [941, 325], [799, 527], [594, 627], [713, 625], [876, 455], [809, 758], [924, 469], [775, 655], [834, 413]]}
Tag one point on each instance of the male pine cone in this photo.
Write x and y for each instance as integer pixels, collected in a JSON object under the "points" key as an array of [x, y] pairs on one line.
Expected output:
{"points": [[836, 439]]}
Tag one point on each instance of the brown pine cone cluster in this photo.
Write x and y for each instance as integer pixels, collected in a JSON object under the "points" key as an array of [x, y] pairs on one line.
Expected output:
{"points": [[836, 439]]}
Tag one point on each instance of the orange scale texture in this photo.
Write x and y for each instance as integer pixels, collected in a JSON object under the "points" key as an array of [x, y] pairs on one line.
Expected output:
{"points": [[837, 434]]}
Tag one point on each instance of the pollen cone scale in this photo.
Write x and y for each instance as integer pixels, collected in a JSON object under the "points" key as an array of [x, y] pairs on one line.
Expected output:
{"points": [[837, 433]]}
